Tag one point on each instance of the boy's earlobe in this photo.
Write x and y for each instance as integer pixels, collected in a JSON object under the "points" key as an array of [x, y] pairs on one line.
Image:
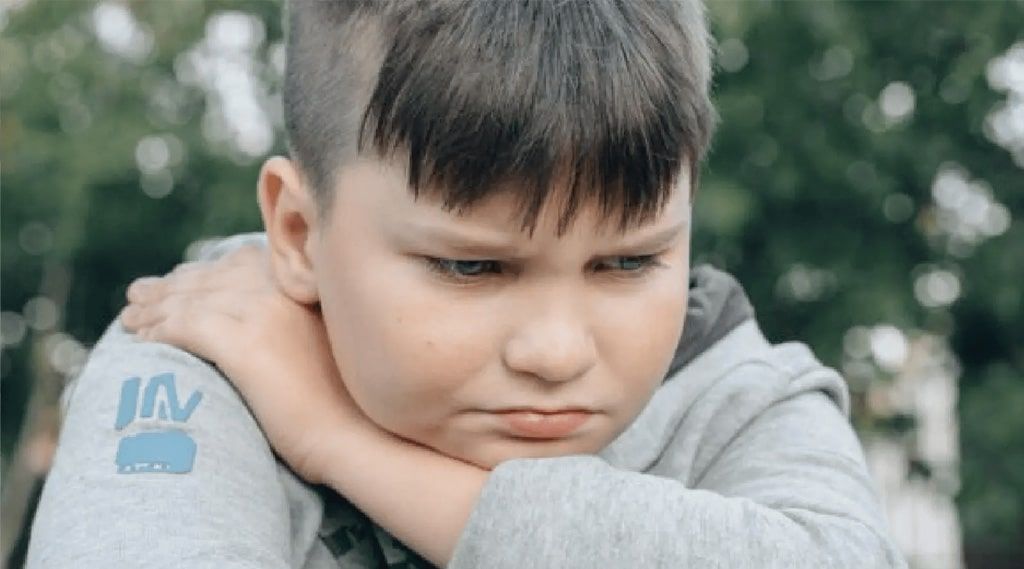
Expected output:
{"points": [[289, 218]]}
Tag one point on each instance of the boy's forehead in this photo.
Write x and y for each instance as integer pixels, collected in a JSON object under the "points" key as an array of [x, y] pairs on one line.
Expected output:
{"points": [[502, 207]]}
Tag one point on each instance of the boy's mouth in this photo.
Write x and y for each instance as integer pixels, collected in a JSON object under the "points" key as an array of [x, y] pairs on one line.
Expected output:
{"points": [[537, 424]]}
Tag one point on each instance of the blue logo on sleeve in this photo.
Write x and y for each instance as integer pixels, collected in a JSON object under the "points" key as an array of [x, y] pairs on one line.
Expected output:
{"points": [[156, 451], [165, 450]]}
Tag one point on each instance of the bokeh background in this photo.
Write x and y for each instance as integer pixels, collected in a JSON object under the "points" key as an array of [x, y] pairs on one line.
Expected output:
{"points": [[866, 186]]}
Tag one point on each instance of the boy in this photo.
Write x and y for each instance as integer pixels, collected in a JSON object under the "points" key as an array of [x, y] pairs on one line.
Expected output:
{"points": [[470, 334]]}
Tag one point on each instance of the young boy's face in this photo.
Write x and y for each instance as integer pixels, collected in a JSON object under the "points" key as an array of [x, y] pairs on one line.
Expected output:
{"points": [[432, 351]]}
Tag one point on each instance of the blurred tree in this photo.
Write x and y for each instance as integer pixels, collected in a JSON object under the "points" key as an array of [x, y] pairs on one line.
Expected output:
{"points": [[857, 181]]}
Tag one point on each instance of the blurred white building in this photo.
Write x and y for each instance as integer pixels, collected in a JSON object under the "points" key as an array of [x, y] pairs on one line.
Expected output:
{"points": [[920, 510]]}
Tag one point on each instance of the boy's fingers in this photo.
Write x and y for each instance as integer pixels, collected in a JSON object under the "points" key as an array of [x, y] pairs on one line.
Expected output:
{"points": [[135, 317], [130, 320], [219, 276], [202, 279], [196, 306], [241, 270], [186, 267], [189, 327], [185, 275], [143, 289], [128, 317]]}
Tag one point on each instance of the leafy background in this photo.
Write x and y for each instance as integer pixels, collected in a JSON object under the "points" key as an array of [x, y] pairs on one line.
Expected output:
{"points": [[866, 187]]}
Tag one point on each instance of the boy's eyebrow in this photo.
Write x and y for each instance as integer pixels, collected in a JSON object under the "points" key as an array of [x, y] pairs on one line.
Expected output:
{"points": [[495, 245], [466, 243], [656, 240]]}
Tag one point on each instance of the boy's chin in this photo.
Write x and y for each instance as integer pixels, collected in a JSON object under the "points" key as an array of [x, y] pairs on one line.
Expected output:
{"points": [[489, 454], [505, 450]]}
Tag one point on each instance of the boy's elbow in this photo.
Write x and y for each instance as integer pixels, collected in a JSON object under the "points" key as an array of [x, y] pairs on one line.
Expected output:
{"points": [[879, 550], [848, 543], [841, 541]]}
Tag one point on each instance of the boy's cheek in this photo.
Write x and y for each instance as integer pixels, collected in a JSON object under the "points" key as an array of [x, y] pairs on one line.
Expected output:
{"points": [[641, 352], [647, 325], [415, 373]]}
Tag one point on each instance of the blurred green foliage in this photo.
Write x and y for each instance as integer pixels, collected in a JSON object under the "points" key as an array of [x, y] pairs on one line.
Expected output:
{"points": [[815, 181], [819, 193]]}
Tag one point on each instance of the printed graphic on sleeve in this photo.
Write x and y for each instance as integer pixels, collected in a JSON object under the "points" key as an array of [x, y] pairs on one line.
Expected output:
{"points": [[158, 450]]}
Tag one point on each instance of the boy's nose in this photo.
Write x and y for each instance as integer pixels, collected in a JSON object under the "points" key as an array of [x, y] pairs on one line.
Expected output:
{"points": [[554, 345]]}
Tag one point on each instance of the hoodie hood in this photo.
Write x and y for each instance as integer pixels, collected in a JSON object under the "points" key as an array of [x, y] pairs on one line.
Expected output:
{"points": [[717, 304]]}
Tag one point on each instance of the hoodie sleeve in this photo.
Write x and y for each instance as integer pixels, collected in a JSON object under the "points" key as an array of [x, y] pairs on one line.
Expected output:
{"points": [[159, 463], [789, 490]]}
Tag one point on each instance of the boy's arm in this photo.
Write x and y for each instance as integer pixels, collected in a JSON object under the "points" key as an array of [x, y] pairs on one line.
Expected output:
{"points": [[790, 491], [160, 464]]}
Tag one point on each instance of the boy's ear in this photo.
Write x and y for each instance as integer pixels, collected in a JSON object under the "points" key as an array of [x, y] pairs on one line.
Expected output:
{"points": [[290, 219]]}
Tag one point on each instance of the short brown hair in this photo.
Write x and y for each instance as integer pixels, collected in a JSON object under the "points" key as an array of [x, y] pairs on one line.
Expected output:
{"points": [[610, 97]]}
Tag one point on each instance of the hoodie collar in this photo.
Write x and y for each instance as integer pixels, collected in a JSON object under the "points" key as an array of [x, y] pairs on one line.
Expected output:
{"points": [[717, 304]]}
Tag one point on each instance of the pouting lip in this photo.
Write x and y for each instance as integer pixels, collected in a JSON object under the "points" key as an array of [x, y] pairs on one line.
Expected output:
{"points": [[542, 411], [528, 424]]}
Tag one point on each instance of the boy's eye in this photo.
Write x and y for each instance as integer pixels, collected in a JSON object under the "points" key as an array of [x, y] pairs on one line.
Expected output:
{"points": [[632, 265], [462, 269]]}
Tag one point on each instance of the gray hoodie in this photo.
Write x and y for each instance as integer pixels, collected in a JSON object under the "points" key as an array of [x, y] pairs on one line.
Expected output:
{"points": [[744, 458]]}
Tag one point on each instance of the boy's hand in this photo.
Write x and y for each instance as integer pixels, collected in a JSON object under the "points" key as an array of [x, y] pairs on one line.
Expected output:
{"points": [[274, 350]]}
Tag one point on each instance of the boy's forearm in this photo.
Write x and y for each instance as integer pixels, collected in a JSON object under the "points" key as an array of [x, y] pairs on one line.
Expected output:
{"points": [[420, 496]]}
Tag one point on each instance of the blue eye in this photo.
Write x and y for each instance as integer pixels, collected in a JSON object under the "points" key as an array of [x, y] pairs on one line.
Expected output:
{"points": [[630, 265], [459, 269], [470, 271]]}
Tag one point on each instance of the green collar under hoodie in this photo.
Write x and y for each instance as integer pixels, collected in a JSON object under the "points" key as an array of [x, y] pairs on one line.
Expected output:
{"points": [[744, 458]]}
